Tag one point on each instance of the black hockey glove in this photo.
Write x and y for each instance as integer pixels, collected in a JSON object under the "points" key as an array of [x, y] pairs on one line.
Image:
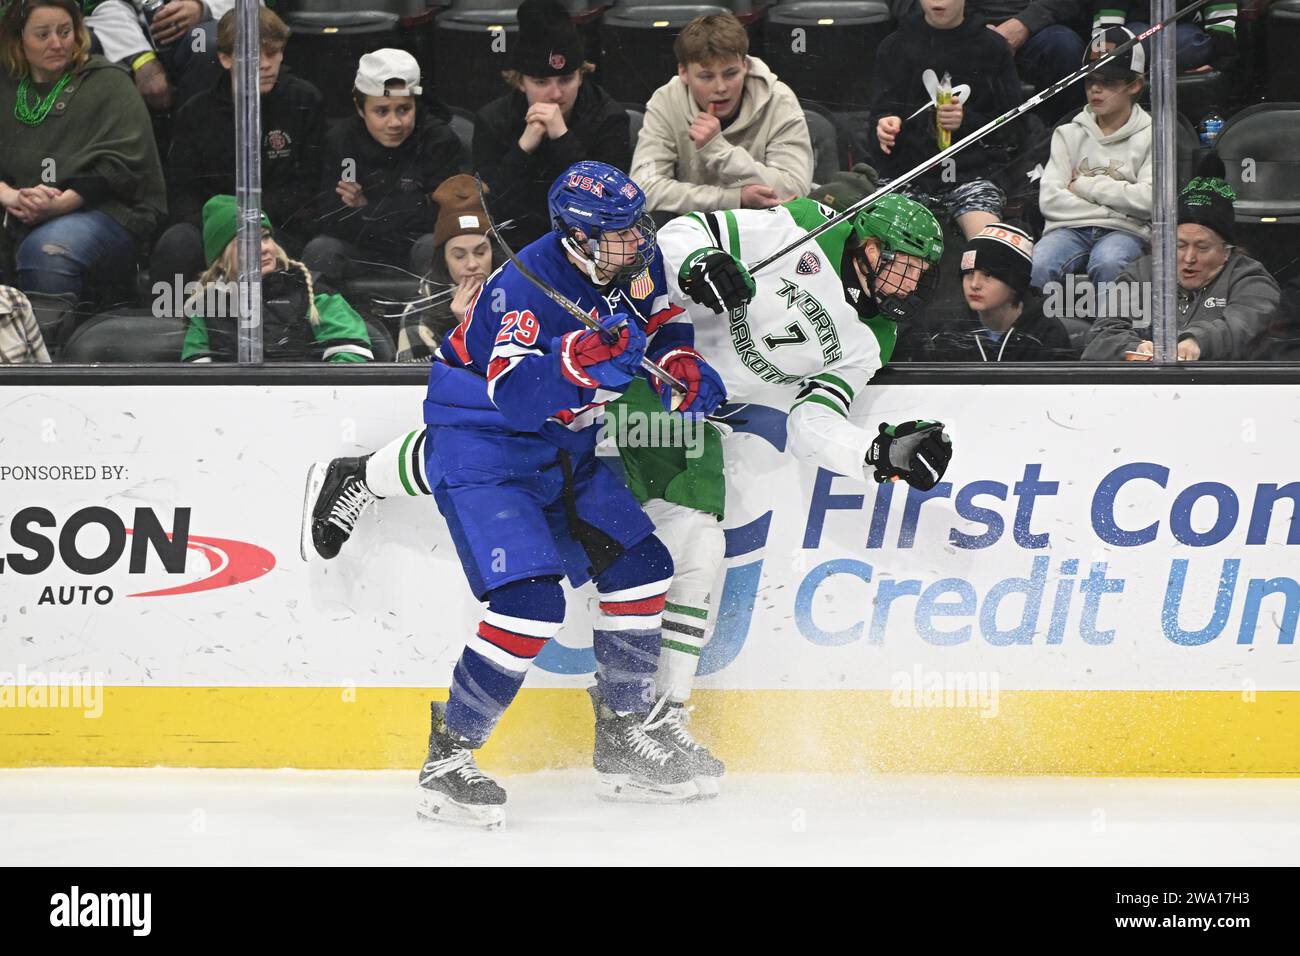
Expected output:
{"points": [[715, 279], [918, 452]]}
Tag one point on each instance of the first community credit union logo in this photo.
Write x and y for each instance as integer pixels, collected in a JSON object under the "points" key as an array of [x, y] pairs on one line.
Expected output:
{"points": [[96, 540]]}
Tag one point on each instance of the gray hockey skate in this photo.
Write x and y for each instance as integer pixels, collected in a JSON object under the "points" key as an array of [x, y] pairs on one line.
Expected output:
{"points": [[452, 788], [669, 727], [633, 766]]}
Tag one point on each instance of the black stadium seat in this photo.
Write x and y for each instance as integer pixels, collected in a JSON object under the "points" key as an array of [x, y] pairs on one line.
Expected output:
{"points": [[638, 45], [130, 336], [1260, 149], [832, 58], [55, 315], [1283, 39]]}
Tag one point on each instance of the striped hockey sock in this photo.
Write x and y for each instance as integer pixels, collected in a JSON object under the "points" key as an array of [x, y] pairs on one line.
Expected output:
{"points": [[491, 670], [397, 469], [685, 632], [626, 641]]}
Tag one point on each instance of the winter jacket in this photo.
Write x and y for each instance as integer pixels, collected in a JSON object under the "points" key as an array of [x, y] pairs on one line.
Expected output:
{"points": [[972, 54], [201, 163], [1113, 188], [396, 182], [1224, 318], [1034, 337], [422, 332], [1034, 14], [766, 143], [287, 332], [97, 139], [1218, 19], [598, 130]]}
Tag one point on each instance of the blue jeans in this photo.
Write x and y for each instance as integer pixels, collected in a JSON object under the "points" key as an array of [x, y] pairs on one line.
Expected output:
{"points": [[1193, 44], [1048, 55], [1105, 253], [64, 254]]}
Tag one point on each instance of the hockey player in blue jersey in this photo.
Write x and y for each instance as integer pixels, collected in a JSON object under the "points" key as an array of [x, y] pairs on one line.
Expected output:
{"points": [[513, 411]]}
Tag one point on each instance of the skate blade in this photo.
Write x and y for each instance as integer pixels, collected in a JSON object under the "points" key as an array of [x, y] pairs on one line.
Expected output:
{"points": [[623, 788], [315, 479], [434, 807], [709, 787]]}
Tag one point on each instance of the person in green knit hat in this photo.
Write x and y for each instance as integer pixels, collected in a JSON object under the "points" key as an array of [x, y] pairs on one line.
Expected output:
{"points": [[80, 182], [301, 319]]}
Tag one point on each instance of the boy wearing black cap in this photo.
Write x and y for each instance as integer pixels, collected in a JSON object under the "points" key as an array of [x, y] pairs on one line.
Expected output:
{"points": [[1206, 39], [1005, 324], [1095, 194], [1225, 298], [552, 118]]}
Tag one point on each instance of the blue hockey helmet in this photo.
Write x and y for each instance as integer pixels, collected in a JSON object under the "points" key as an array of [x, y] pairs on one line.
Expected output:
{"points": [[594, 198]]}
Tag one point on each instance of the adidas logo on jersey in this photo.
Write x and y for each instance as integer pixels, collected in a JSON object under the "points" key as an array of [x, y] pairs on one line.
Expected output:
{"points": [[808, 265]]}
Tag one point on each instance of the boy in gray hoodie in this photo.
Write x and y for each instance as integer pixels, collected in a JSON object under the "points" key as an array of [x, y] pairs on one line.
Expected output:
{"points": [[1095, 194], [724, 133]]}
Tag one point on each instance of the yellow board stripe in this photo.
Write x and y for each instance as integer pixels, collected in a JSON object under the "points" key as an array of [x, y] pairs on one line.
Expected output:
{"points": [[1033, 732]]}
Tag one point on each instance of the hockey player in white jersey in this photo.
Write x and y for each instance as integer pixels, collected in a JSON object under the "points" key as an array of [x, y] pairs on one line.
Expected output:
{"points": [[819, 322]]}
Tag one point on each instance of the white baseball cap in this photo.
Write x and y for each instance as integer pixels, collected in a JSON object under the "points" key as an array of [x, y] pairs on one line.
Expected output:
{"points": [[381, 66]]}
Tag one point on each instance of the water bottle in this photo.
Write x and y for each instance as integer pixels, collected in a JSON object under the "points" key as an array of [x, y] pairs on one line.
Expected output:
{"points": [[149, 9], [1210, 127]]}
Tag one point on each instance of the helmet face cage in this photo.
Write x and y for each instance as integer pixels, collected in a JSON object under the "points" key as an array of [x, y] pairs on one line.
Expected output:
{"points": [[887, 283], [621, 258]]}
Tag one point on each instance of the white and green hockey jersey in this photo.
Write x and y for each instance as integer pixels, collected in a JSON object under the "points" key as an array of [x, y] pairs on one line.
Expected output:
{"points": [[799, 332]]}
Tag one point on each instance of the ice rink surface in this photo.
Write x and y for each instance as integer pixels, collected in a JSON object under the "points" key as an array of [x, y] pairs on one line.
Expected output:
{"points": [[117, 817]]}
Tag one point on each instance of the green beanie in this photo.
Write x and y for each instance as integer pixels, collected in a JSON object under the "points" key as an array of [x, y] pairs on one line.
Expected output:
{"points": [[220, 225]]}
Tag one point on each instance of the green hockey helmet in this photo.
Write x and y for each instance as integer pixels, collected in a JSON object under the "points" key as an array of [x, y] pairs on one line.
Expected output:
{"points": [[903, 227]]}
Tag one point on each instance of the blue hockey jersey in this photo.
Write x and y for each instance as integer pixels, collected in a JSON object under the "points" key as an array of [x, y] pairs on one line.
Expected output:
{"points": [[500, 368]]}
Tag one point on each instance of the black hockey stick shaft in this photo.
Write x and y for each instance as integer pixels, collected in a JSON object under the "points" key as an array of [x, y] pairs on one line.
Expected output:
{"points": [[563, 301], [976, 136]]}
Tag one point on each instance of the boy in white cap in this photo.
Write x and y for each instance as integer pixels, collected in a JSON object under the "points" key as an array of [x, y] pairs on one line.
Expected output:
{"points": [[381, 169]]}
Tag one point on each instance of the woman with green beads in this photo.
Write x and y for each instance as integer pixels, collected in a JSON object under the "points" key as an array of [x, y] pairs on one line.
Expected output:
{"points": [[80, 182]]}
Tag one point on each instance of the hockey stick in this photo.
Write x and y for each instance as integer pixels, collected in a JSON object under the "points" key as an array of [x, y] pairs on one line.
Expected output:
{"points": [[569, 306], [979, 134]]}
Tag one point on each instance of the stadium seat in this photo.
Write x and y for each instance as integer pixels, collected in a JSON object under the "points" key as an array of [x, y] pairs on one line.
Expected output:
{"points": [[825, 143], [639, 38], [55, 315], [1198, 93], [362, 292], [472, 41], [126, 336], [635, 119], [826, 49], [326, 46], [1283, 35], [381, 343], [1259, 147], [462, 124]]}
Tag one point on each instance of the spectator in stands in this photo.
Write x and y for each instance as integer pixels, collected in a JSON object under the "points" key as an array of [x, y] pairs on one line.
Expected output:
{"points": [[941, 38], [724, 133], [162, 53], [463, 257], [1006, 322], [380, 171], [1225, 298], [202, 159], [1095, 194], [21, 342], [302, 319], [1045, 44], [1205, 40], [80, 181], [552, 118]]}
